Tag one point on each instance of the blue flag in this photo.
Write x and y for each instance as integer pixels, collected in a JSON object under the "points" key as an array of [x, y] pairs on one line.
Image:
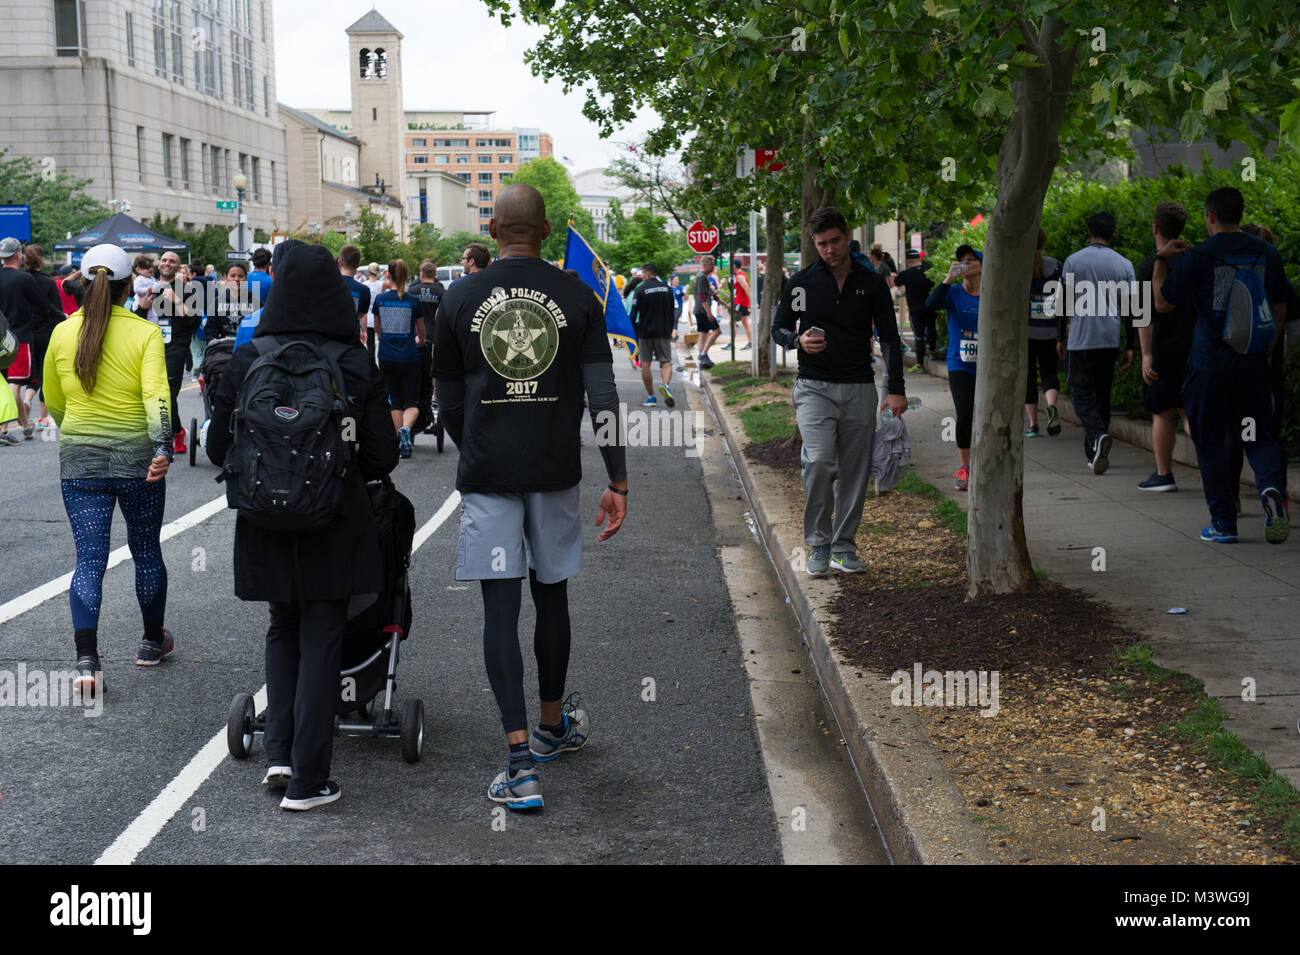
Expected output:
{"points": [[582, 258]]}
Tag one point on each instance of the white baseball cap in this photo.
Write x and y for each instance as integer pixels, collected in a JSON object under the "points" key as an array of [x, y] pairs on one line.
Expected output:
{"points": [[109, 256]]}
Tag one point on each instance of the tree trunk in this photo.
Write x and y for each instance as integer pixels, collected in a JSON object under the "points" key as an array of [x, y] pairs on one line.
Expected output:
{"points": [[774, 229], [811, 197], [997, 554]]}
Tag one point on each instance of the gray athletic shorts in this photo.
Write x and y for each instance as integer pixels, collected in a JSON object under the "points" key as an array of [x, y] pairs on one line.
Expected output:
{"points": [[655, 349], [503, 536]]}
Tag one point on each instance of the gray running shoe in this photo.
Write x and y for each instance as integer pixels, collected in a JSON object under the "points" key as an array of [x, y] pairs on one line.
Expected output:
{"points": [[521, 790], [847, 561], [577, 726], [819, 561]]}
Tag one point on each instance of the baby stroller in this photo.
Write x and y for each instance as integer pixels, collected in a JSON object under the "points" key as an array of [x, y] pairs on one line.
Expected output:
{"points": [[215, 359], [429, 421], [377, 625]]}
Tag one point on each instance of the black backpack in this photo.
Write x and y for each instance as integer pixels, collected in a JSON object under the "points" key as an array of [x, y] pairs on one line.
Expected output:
{"points": [[293, 436]]}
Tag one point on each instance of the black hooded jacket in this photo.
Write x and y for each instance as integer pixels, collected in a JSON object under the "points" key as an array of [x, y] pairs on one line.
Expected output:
{"points": [[309, 301]]}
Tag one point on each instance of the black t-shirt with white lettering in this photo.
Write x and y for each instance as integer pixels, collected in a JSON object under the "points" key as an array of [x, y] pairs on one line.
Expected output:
{"points": [[653, 309], [517, 334]]}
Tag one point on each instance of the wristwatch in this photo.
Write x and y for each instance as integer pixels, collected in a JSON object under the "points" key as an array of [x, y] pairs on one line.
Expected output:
{"points": [[617, 491]]}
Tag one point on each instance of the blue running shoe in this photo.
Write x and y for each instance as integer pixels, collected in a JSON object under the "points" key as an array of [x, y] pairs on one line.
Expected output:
{"points": [[667, 395], [404, 447], [1277, 524], [521, 790], [577, 726], [650, 401], [1212, 535], [1158, 482]]}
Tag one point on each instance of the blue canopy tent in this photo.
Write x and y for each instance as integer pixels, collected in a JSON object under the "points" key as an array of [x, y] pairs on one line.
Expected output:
{"points": [[121, 230]]}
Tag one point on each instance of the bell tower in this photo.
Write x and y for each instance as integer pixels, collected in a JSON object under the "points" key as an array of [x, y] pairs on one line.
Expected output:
{"points": [[378, 120]]}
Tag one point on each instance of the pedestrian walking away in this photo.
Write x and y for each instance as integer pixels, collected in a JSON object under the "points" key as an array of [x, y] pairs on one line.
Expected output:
{"points": [[706, 319], [652, 317], [1043, 331], [517, 344], [32, 316], [827, 313], [1234, 281], [1091, 336], [399, 323], [106, 388], [307, 573]]}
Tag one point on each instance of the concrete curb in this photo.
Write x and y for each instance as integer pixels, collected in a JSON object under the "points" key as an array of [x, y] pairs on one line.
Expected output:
{"points": [[1131, 431], [918, 807]]}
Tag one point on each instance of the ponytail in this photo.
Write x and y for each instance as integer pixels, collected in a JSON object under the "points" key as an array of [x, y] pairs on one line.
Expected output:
{"points": [[99, 300], [398, 274]]}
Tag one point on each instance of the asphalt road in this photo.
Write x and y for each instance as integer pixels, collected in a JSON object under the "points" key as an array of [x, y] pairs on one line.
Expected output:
{"points": [[676, 779]]}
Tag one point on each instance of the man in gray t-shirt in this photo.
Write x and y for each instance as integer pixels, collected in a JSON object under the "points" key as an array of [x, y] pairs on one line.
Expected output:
{"points": [[1093, 337]]}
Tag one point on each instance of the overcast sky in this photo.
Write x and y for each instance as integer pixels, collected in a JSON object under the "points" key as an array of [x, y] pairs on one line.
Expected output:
{"points": [[454, 55]]}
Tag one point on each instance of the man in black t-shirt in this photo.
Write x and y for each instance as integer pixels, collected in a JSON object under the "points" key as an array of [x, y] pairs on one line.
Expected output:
{"points": [[515, 345], [916, 286], [653, 318], [706, 319]]}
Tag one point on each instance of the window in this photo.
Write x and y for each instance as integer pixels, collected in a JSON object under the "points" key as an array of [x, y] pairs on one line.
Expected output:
{"points": [[159, 39], [374, 113], [485, 179], [185, 164], [236, 68], [487, 160], [215, 154], [70, 27], [266, 86], [256, 179], [130, 39], [250, 101], [207, 50], [139, 151], [275, 186], [451, 143], [492, 144], [502, 176], [463, 175], [485, 212], [442, 158], [485, 228], [203, 164], [462, 160], [420, 160], [505, 159], [419, 143], [168, 176], [178, 48], [485, 195]]}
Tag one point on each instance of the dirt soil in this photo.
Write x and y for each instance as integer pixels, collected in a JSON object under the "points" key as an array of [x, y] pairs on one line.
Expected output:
{"points": [[1079, 741]]}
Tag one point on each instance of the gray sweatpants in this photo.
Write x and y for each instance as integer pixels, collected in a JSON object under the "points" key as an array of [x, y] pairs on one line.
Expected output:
{"points": [[837, 421]]}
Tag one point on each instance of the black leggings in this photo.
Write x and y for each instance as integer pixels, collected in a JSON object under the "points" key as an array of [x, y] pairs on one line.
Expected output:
{"points": [[962, 386], [1042, 360], [505, 662]]}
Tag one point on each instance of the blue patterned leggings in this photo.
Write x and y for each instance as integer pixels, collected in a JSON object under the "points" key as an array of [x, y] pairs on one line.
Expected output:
{"points": [[89, 504]]}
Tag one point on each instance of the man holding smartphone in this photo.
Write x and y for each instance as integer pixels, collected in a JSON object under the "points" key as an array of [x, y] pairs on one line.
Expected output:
{"points": [[827, 311]]}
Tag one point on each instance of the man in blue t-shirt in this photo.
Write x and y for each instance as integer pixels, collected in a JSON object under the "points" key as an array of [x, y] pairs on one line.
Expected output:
{"points": [[349, 261], [1224, 390], [259, 280]]}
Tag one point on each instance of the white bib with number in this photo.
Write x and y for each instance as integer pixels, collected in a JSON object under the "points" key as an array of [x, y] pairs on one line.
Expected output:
{"points": [[968, 349]]}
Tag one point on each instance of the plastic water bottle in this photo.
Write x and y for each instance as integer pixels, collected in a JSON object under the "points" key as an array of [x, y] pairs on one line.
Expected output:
{"points": [[912, 404]]}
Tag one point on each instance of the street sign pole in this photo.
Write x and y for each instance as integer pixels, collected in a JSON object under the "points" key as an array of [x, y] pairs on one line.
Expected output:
{"points": [[755, 306]]}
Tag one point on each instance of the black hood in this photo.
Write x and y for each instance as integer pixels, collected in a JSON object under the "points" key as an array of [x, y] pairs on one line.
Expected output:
{"points": [[309, 295]]}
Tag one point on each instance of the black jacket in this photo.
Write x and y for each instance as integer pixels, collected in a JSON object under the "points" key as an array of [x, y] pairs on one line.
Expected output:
{"points": [[333, 562]]}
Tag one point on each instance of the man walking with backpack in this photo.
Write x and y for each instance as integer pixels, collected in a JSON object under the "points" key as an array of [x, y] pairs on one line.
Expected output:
{"points": [[1235, 282], [304, 444]]}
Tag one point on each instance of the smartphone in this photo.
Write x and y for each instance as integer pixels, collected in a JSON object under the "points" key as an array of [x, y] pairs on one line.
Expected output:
{"points": [[817, 332]]}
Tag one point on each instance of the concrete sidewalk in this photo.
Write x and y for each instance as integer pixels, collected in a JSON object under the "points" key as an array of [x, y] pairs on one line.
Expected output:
{"points": [[1243, 600]]}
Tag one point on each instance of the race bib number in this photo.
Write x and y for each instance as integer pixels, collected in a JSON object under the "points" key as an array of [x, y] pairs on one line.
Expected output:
{"points": [[968, 350], [165, 326]]}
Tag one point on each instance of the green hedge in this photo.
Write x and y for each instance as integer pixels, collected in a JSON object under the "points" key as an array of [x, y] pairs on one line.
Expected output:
{"points": [[1272, 199]]}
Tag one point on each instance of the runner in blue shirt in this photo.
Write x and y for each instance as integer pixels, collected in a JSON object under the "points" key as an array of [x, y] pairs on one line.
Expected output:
{"points": [[399, 325], [959, 295]]}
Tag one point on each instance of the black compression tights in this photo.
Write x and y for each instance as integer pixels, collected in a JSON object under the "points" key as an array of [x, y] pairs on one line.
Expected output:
{"points": [[505, 664]]}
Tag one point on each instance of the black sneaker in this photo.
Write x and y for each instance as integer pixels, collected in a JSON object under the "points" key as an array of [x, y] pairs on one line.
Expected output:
{"points": [[327, 793], [706, 362], [90, 676], [151, 654]]}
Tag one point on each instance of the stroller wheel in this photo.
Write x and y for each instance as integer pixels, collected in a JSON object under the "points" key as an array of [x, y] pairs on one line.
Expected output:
{"points": [[239, 726], [412, 730], [194, 441]]}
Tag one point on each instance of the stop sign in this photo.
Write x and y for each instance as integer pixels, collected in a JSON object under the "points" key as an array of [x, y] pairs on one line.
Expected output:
{"points": [[702, 238]]}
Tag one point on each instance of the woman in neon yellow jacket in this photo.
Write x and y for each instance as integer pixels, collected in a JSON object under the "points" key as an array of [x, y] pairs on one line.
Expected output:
{"points": [[106, 388]]}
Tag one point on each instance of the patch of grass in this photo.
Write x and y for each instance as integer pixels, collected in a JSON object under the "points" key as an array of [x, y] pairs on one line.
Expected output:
{"points": [[735, 389], [951, 516], [1139, 656], [1273, 796], [1040, 574], [765, 422], [725, 370], [911, 483]]}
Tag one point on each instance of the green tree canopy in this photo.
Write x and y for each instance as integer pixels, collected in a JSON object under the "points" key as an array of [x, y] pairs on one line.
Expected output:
{"points": [[60, 203]]}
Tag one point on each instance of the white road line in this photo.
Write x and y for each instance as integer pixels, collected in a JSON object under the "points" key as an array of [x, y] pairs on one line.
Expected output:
{"points": [[34, 598], [146, 826]]}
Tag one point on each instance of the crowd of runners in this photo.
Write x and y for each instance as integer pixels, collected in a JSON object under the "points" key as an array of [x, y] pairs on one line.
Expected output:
{"points": [[327, 366]]}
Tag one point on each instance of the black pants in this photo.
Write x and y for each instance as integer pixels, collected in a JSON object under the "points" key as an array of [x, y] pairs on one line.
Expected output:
{"points": [[505, 662], [1091, 372], [924, 335], [1042, 362], [962, 386], [304, 652], [371, 344], [174, 358]]}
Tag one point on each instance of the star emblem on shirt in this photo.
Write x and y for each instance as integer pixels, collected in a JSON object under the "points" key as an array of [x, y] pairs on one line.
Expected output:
{"points": [[519, 338]]}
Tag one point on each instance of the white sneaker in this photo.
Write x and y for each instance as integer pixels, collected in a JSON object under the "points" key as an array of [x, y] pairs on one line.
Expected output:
{"points": [[277, 777]]}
